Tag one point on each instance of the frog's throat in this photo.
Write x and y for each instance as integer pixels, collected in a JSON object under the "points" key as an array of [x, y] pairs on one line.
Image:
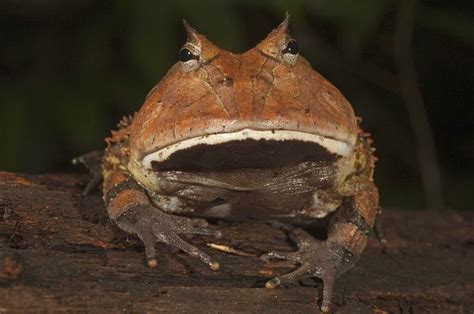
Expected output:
{"points": [[333, 146]]}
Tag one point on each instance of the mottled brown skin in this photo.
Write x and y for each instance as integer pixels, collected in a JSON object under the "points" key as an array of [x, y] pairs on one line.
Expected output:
{"points": [[265, 88], [254, 90]]}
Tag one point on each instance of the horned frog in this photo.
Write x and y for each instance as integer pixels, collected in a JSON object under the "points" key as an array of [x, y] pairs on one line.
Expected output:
{"points": [[257, 135]]}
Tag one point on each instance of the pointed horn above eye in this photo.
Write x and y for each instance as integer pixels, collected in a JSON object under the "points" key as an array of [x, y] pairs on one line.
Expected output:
{"points": [[284, 25], [271, 45], [283, 28], [192, 33]]}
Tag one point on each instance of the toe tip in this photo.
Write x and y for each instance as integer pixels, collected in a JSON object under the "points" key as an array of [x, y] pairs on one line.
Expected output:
{"points": [[265, 257], [272, 283], [152, 262], [269, 285], [215, 266]]}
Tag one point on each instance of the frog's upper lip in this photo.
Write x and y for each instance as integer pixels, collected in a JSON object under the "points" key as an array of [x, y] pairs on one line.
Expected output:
{"points": [[333, 146]]}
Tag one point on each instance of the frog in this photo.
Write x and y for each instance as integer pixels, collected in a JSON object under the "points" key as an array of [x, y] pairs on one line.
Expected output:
{"points": [[258, 135]]}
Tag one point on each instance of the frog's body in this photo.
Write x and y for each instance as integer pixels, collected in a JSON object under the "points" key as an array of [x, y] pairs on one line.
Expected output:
{"points": [[259, 135]]}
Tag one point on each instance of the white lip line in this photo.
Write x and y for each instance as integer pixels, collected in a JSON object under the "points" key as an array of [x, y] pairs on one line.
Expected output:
{"points": [[332, 145]]}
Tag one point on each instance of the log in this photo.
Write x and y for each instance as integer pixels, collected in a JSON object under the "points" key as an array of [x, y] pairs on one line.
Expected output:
{"points": [[60, 252]]}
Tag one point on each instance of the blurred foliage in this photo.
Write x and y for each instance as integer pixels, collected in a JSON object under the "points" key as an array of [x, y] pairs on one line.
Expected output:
{"points": [[70, 69]]}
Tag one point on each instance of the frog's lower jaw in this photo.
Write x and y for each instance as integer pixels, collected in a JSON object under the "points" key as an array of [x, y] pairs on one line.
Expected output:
{"points": [[246, 148]]}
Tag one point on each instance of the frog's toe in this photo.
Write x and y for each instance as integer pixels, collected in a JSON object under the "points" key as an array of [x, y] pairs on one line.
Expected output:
{"points": [[302, 272], [174, 240], [291, 256], [206, 231], [92, 161], [186, 225], [303, 239], [195, 226], [198, 222], [149, 241]]}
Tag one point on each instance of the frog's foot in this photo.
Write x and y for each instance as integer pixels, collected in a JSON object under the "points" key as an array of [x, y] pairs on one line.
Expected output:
{"points": [[92, 161], [152, 225], [377, 229], [321, 259]]}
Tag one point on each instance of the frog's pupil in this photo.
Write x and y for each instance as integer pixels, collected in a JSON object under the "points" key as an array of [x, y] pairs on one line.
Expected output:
{"points": [[185, 55], [292, 47]]}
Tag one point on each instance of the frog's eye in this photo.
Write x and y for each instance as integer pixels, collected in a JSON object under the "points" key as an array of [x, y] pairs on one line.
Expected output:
{"points": [[185, 55], [290, 52], [291, 48], [189, 57]]}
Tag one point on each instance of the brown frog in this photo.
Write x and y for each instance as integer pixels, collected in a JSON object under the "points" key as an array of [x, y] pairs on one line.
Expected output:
{"points": [[257, 135]]}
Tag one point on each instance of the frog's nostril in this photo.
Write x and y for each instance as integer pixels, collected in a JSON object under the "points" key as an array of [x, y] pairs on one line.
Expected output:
{"points": [[228, 81]]}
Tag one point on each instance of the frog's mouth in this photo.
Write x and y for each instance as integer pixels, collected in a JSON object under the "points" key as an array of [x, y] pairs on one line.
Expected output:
{"points": [[246, 149]]}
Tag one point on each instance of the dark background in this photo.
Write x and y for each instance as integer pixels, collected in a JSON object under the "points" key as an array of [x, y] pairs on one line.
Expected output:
{"points": [[70, 69]]}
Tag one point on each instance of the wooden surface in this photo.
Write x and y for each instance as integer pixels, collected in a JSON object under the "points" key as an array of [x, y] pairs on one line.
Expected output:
{"points": [[59, 251]]}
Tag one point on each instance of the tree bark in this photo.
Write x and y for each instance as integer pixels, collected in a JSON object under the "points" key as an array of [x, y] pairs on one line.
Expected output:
{"points": [[58, 251]]}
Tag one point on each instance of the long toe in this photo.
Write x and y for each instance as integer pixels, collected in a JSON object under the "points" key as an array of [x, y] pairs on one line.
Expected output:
{"points": [[300, 273], [206, 231], [176, 241]]}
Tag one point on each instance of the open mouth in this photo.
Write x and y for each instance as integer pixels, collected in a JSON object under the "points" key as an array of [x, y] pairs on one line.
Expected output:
{"points": [[246, 149]]}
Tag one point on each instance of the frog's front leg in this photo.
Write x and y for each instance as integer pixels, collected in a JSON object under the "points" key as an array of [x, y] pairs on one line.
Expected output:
{"points": [[347, 237], [130, 207]]}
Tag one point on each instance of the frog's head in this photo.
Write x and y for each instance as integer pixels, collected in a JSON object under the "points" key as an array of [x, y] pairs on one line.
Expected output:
{"points": [[260, 109]]}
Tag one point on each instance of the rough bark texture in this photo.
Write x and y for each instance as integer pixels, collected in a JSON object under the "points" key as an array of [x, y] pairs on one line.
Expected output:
{"points": [[58, 251]]}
